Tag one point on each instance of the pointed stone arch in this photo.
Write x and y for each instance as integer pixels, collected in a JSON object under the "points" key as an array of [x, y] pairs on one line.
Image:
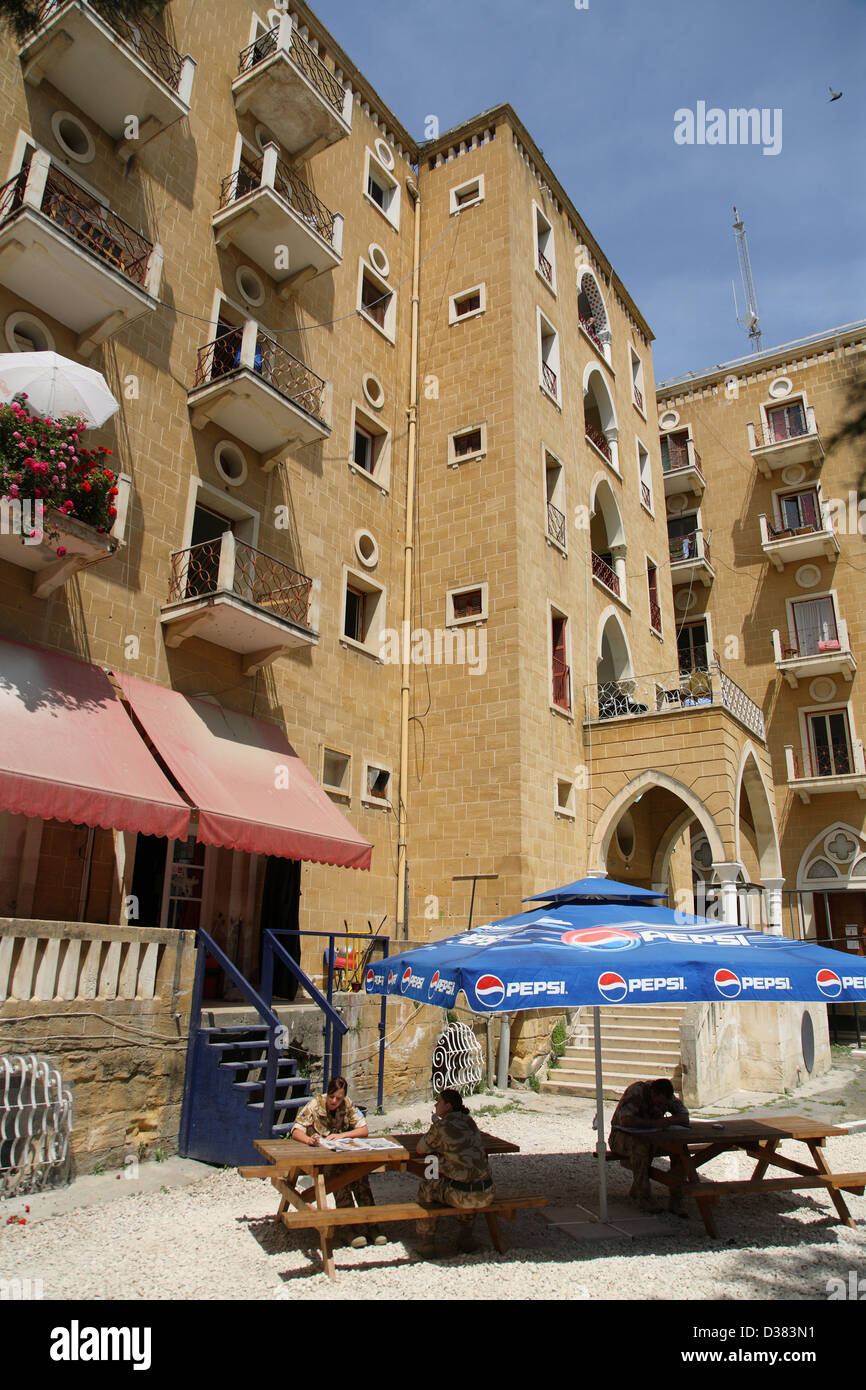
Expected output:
{"points": [[751, 780], [613, 659], [646, 781]]}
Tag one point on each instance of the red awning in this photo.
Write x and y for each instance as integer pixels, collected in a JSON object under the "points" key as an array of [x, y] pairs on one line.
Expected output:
{"points": [[252, 791], [69, 751]]}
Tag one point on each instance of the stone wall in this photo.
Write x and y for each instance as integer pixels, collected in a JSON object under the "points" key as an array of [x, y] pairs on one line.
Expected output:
{"points": [[753, 1047]]}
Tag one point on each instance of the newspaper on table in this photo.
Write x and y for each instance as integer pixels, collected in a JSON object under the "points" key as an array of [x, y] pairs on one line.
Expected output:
{"points": [[371, 1144]]}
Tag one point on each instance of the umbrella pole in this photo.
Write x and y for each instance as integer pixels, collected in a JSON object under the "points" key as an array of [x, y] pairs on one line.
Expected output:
{"points": [[601, 1142]]}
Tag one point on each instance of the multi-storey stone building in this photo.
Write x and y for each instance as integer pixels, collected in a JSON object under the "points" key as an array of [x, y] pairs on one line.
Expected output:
{"points": [[391, 509]]}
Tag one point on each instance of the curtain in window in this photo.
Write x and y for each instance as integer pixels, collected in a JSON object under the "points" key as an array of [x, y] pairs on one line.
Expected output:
{"points": [[814, 622]]}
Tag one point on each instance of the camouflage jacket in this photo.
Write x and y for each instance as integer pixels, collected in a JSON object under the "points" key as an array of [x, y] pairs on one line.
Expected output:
{"points": [[457, 1143], [316, 1118], [635, 1109]]}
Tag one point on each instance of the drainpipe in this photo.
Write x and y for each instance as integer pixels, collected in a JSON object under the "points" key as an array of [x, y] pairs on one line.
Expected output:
{"points": [[408, 557]]}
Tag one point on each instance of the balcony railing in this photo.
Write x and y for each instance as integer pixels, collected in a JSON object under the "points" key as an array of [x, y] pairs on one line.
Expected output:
{"points": [[561, 675], [842, 758], [548, 376], [655, 615], [272, 362], [146, 42], [783, 429], [226, 565], [671, 691], [556, 524], [646, 496], [587, 323], [602, 571], [596, 437], [678, 455], [83, 219], [694, 546], [638, 396], [302, 55], [249, 176], [545, 267]]}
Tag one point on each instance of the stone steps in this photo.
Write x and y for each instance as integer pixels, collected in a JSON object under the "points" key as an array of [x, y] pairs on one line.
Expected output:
{"points": [[638, 1044]]}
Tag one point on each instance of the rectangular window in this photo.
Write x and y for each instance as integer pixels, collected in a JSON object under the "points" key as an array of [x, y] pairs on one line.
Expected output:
{"points": [[692, 647], [364, 612], [467, 604], [554, 480], [545, 254], [637, 388], [336, 768], [355, 620], [800, 510], [653, 592], [374, 300], [548, 349], [830, 744], [382, 189], [560, 673], [362, 451], [466, 195], [644, 477], [564, 797], [787, 422], [466, 305], [378, 780], [675, 451], [815, 626], [467, 444]]}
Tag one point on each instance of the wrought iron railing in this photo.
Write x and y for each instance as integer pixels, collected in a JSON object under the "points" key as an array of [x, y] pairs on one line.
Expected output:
{"points": [[587, 323], [655, 615], [255, 576], [548, 376], [561, 679], [677, 455], [602, 571], [694, 546], [302, 55], [556, 524], [247, 178], [87, 221], [146, 42], [638, 396], [670, 691], [596, 437], [271, 361], [805, 528], [646, 496], [781, 429], [545, 267]]}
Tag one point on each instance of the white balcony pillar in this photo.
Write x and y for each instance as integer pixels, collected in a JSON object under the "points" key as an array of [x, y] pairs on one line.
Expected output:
{"points": [[226, 573], [790, 761], [727, 874], [37, 177], [270, 158], [347, 106], [284, 32], [337, 239], [617, 555], [773, 894], [153, 278], [859, 764], [248, 344], [187, 73]]}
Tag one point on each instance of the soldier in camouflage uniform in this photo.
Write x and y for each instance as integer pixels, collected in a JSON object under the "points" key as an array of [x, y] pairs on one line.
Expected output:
{"points": [[644, 1105], [331, 1114], [463, 1175]]}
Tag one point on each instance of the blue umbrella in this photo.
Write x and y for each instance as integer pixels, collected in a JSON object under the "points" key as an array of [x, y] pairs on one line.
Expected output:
{"points": [[602, 942]]}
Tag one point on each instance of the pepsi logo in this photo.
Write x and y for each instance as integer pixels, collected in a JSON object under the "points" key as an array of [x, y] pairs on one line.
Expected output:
{"points": [[490, 991], [829, 983], [601, 938], [612, 987], [727, 983], [371, 976], [407, 976], [392, 975]]}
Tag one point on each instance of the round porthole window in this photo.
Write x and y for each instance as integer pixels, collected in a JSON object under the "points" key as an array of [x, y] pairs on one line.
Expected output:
{"points": [[250, 285], [379, 260], [366, 549], [230, 463], [822, 690], [668, 420], [73, 137], [782, 386], [807, 576], [685, 601], [625, 836], [794, 474], [374, 391], [24, 333], [384, 154]]}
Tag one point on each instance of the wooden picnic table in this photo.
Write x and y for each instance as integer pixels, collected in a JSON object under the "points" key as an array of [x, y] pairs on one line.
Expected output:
{"points": [[289, 1159], [759, 1138]]}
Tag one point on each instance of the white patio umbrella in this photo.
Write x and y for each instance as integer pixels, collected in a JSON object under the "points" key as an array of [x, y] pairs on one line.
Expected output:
{"points": [[55, 387]]}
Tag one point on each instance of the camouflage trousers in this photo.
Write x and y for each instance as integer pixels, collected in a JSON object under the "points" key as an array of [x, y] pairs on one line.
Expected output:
{"points": [[438, 1192], [356, 1194], [638, 1156]]}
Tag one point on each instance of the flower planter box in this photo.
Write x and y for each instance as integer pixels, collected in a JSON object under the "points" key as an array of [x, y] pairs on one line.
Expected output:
{"points": [[832, 646], [83, 546]]}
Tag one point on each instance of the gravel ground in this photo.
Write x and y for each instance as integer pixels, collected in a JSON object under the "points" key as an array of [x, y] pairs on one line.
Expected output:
{"points": [[214, 1238]]}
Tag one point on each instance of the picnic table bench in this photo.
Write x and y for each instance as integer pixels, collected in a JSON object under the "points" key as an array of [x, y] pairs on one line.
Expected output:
{"points": [[288, 1160], [702, 1141]]}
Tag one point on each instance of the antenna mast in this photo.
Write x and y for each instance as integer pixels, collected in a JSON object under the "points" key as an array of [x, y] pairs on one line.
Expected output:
{"points": [[752, 320]]}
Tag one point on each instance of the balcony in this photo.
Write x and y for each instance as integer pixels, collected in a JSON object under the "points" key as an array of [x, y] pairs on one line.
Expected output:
{"points": [[682, 468], [550, 381], [690, 559], [637, 397], [66, 253], [556, 526], [249, 385], [597, 439], [605, 575], [545, 269], [587, 323], [109, 66], [267, 204], [808, 657], [223, 591], [837, 770], [561, 684], [83, 545], [778, 444], [285, 85], [789, 545], [673, 692]]}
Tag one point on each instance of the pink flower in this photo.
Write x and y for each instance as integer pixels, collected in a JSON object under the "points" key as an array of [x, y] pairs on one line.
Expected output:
{"points": [[13, 490], [61, 550]]}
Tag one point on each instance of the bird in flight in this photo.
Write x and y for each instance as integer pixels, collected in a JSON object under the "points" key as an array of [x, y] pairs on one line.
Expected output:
{"points": [[834, 96]]}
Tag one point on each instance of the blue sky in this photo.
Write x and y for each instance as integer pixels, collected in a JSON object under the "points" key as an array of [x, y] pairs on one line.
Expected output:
{"points": [[598, 89]]}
